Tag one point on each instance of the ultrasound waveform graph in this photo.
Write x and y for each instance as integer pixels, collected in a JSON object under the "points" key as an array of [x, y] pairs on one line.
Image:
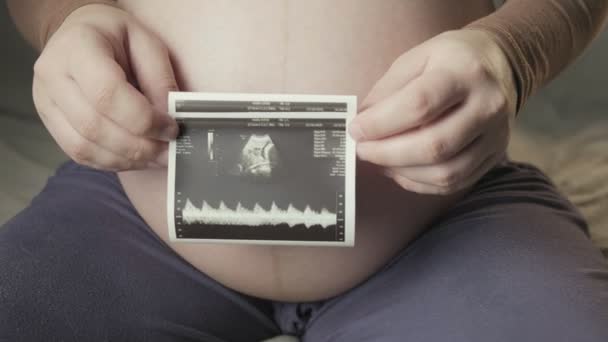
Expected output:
{"points": [[258, 216]]}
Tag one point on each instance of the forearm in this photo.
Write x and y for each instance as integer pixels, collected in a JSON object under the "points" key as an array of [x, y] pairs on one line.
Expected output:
{"points": [[38, 19], [541, 37]]}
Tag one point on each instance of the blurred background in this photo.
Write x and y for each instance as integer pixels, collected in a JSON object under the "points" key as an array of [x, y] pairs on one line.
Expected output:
{"points": [[563, 130]]}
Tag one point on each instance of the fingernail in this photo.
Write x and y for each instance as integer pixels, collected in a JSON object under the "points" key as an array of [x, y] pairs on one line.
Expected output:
{"points": [[355, 131]]}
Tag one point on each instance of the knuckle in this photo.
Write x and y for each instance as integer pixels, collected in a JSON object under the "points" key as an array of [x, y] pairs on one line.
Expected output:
{"points": [[476, 69], [40, 105], [136, 152], [104, 94], [89, 128], [40, 65], [123, 165], [43, 66], [421, 104], [78, 31], [145, 124], [152, 40], [36, 88], [81, 151], [447, 178], [168, 82], [438, 150], [482, 114], [66, 35], [499, 103], [490, 108], [43, 114]]}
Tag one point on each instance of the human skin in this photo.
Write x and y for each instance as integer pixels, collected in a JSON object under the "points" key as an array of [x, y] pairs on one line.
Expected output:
{"points": [[340, 47]]}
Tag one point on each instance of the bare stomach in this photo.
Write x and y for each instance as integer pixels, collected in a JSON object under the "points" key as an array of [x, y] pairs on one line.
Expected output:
{"points": [[282, 46]]}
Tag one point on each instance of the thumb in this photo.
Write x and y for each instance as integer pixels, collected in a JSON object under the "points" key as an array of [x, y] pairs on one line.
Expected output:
{"points": [[151, 65]]}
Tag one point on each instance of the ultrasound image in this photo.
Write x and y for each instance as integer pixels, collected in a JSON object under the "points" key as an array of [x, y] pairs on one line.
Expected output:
{"points": [[263, 180]]}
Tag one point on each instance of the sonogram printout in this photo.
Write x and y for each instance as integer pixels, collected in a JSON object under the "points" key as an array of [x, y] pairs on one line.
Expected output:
{"points": [[262, 169]]}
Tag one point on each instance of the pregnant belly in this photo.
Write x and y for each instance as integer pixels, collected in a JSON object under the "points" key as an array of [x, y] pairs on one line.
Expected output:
{"points": [[280, 46]]}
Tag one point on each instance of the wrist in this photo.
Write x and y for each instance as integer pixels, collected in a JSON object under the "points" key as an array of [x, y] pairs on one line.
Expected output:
{"points": [[498, 63], [58, 16]]}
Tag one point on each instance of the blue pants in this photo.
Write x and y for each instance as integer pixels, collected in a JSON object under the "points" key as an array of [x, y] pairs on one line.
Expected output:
{"points": [[511, 262]]}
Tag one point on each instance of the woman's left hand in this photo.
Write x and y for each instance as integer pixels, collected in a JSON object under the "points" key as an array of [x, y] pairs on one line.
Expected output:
{"points": [[440, 118]]}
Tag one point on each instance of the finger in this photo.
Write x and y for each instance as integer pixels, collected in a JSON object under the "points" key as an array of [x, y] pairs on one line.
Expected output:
{"points": [[104, 85], [430, 189], [99, 129], [414, 186], [405, 69], [152, 67], [456, 170], [74, 145], [431, 144], [418, 103], [162, 160]]}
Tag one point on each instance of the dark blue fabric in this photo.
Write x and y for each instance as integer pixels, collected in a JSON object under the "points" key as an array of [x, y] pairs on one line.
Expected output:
{"points": [[511, 262]]}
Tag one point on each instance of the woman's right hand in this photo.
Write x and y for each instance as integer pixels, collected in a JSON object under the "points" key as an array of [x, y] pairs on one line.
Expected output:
{"points": [[100, 87]]}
